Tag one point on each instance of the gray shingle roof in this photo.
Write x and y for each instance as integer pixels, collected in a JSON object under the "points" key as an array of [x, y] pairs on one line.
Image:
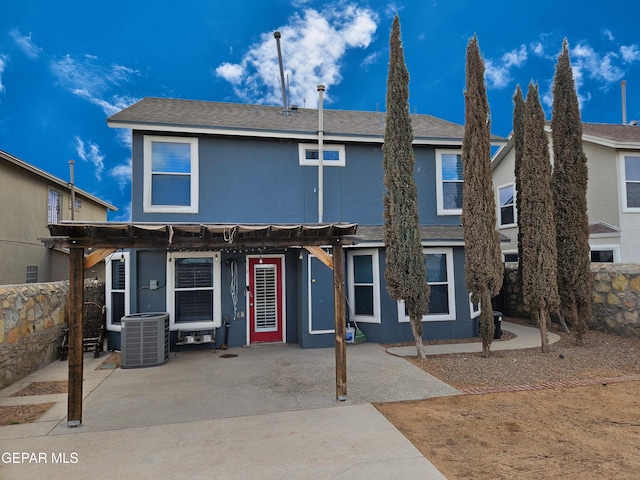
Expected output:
{"points": [[153, 112], [612, 131]]}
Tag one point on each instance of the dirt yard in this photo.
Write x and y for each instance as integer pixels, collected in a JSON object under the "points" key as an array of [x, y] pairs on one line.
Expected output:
{"points": [[577, 432]]}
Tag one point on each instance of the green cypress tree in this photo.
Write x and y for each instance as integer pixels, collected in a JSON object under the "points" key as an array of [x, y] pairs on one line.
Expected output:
{"points": [[569, 185], [539, 257], [518, 139], [483, 266], [406, 272]]}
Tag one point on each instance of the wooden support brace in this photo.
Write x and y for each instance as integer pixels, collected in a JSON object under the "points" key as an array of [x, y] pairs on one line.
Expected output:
{"points": [[97, 256], [323, 256]]}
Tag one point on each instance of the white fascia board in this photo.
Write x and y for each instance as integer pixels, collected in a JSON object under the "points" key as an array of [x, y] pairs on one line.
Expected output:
{"points": [[425, 243], [454, 142], [611, 143]]}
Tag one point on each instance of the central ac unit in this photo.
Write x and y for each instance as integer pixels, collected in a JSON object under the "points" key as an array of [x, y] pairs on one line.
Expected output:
{"points": [[145, 340]]}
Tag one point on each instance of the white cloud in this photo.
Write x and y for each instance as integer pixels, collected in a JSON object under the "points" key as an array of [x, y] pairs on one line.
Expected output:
{"points": [[598, 67], [90, 152], [630, 53], [93, 82], [122, 174], [25, 43], [313, 46], [3, 63], [608, 34], [498, 72]]}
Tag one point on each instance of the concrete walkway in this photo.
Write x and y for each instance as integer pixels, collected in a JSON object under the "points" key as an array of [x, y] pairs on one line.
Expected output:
{"points": [[262, 412], [526, 337]]}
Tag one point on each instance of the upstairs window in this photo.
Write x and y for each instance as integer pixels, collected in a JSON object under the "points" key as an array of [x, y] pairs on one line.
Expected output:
{"points": [[170, 174], [631, 177], [449, 182], [54, 210], [507, 205], [332, 155]]}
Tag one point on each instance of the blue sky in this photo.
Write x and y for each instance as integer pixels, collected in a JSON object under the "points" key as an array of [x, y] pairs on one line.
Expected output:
{"points": [[66, 65]]}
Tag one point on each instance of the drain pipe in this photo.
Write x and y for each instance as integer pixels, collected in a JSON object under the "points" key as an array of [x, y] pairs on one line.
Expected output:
{"points": [[623, 89], [321, 89], [72, 186]]}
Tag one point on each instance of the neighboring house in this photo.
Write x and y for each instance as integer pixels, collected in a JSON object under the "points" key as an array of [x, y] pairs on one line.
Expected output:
{"points": [[613, 192], [31, 199], [221, 163]]}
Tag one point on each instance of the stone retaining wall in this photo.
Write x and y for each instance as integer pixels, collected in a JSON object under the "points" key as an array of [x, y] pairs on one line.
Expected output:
{"points": [[32, 321], [616, 297]]}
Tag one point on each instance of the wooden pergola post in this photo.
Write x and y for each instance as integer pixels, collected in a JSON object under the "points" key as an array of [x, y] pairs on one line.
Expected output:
{"points": [[76, 291], [340, 322]]}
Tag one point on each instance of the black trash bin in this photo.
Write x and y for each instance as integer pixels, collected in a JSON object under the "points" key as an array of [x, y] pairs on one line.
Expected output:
{"points": [[497, 323]]}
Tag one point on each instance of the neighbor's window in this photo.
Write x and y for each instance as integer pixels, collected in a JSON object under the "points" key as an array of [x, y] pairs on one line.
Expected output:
{"points": [[332, 155], [507, 205], [170, 174], [54, 210], [449, 182], [631, 167], [364, 286], [32, 274], [439, 263], [605, 253], [194, 290]]}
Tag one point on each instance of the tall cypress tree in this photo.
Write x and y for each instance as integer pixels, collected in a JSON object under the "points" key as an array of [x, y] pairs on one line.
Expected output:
{"points": [[406, 272], [483, 265], [518, 139], [539, 255], [569, 184]]}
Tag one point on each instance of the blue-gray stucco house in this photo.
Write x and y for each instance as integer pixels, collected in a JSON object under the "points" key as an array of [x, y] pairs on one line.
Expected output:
{"points": [[224, 163]]}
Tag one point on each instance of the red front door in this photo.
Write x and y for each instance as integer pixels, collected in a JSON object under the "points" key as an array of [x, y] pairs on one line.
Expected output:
{"points": [[265, 299]]}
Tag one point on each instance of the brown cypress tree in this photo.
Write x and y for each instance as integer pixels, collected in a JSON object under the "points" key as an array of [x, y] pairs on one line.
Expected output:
{"points": [[518, 139], [406, 272], [483, 265], [539, 257], [569, 185]]}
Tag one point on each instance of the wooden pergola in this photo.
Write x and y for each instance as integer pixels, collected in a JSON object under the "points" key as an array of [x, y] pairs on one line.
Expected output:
{"points": [[105, 238]]}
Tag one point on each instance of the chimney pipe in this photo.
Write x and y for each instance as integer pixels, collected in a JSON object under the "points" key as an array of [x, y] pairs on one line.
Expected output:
{"points": [[623, 88], [72, 187], [321, 89], [277, 36]]}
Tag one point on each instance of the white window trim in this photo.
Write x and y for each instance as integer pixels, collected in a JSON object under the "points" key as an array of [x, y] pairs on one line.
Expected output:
{"points": [[303, 161], [439, 199], [614, 248], [216, 321], [622, 182], [117, 257], [451, 292], [194, 177], [499, 207], [474, 313], [376, 317]]}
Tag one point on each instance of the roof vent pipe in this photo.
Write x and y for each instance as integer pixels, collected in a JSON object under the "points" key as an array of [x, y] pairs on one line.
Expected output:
{"points": [[282, 85], [321, 89], [623, 88]]}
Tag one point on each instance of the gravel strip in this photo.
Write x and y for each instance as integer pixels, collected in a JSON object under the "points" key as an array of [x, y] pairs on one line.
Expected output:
{"points": [[601, 355]]}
